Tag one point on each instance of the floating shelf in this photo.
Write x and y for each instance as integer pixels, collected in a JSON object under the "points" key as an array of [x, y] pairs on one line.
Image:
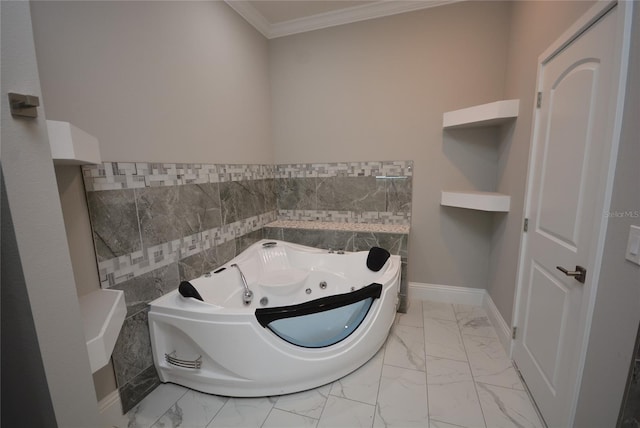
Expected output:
{"points": [[482, 201], [71, 145], [482, 115], [103, 313]]}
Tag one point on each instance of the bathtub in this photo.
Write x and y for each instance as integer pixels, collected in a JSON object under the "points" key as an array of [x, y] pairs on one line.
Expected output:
{"points": [[315, 316]]}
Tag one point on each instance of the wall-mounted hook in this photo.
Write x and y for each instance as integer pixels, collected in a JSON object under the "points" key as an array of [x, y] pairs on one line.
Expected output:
{"points": [[23, 105]]}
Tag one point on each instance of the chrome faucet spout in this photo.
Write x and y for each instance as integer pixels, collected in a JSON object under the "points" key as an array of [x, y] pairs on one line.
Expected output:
{"points": [[247, 295]]}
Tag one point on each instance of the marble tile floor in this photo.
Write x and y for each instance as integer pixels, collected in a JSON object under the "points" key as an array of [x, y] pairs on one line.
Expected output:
{"points": [[441, 367]]}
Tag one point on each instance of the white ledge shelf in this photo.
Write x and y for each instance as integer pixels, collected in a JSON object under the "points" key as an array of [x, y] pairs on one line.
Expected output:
{"points": [[103, 313], [71, 145], [482, 201], [489, 114]]}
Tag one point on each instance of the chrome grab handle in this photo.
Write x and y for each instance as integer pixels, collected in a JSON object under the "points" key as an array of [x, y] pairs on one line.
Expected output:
{"points": [[580, 274], [187, 364]]}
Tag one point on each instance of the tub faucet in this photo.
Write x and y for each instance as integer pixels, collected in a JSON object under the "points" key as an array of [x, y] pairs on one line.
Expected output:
{"points": [[247, 295]]}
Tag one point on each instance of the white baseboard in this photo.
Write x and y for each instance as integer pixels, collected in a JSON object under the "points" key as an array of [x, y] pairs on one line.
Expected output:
{"points": [[502, 328], [465, 296], [447, 293], [110, 408]]}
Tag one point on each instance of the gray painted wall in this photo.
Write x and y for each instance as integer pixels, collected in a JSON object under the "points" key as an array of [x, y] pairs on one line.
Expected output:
{"points": [[166, 81], [534, 26], [153, 81], [377, 90], [40, 240]]}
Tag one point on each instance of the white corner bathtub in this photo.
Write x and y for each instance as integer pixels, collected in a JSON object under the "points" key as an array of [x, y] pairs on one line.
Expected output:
{"points": [[315, 316]]}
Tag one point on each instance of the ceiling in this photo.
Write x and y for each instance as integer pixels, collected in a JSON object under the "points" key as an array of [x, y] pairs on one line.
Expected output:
{"points": [[285, 17]]}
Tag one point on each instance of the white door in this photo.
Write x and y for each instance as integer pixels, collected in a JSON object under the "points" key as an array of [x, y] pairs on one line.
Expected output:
{"points": [[572, 147]]}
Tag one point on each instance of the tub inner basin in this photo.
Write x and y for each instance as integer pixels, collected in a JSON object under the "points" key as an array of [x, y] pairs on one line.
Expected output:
{"points": [[283, 281]]}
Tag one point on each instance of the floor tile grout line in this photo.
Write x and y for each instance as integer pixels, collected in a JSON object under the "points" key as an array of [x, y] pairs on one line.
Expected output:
{"points": [[273, 406], [375, 406], [290, 412], [219, 410], [473, 379], [426, 368], [449, 423], [326, 400], [169, 408]]}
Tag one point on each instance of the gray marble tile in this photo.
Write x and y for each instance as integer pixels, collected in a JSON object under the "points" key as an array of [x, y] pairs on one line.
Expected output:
{"points": [[439, 424], [412, 316], [402, 401], [452, 393], [305, 403], [489, 362], [297, 193], [281, 419], [196, 265], [443, 339], [473, 320], [404, 284], [399, 194], [138, 388], [243, 412], [114, 222], [340, 412], [263, 194], [240, 199], [505, 408], [351, 194], [362, 384], [203, 202], [245, 241], [395, 243], [228, 250], [273, 233], [405, 347], [193, 409], [153, 406], [269, 193], [438, 310], [168, 213], [132, 351], [139, 291], [327, 239]]}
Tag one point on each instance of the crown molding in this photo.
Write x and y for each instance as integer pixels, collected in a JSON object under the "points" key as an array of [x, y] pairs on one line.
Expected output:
{"points": [[332, 18], [251, 15]]}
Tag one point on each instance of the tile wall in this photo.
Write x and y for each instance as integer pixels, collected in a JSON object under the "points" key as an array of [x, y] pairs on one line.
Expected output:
{"points": [[351, 192], [155, 225]]}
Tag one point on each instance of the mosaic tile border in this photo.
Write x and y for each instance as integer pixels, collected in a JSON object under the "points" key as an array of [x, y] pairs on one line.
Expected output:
{"points": [[123, 268], [130, 175], [348, 227], [345, 169], [372, 217]]}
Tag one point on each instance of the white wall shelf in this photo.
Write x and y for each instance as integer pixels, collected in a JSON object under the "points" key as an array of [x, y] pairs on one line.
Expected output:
{"points": [[71, 145], [482, 201], [490, 114], [103, 314]]}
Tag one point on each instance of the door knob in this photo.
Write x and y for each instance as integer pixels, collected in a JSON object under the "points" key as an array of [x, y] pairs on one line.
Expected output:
{"points": [[580, 274]]}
